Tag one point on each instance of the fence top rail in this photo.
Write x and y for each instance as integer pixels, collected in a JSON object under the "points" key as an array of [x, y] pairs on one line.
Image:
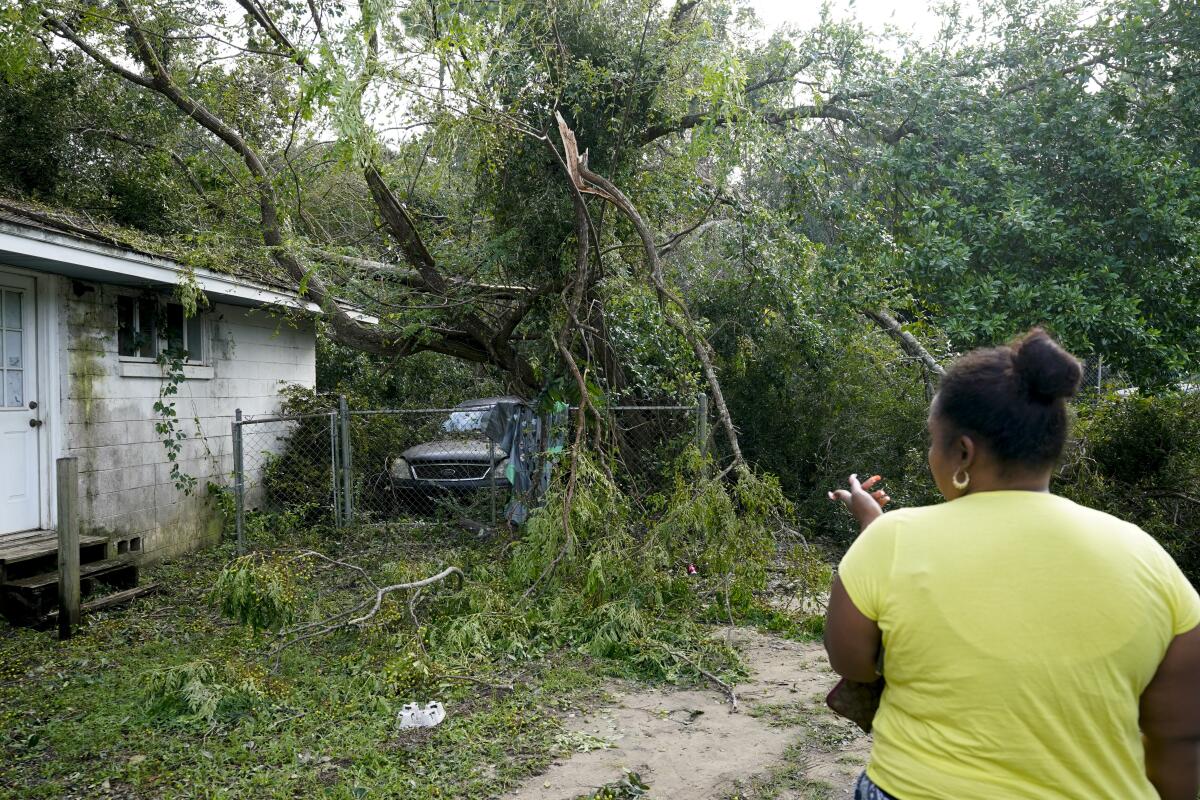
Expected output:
{"points": [[693, 407], [370, 411], [283, 418]]}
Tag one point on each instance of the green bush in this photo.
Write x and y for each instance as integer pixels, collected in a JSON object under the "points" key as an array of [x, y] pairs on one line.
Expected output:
{"points": [[202, 691], [814, 404], [1138, 458], [257, 591]]}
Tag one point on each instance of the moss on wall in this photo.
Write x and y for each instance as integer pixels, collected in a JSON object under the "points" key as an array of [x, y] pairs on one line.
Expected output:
{"points": [[84, 368]]}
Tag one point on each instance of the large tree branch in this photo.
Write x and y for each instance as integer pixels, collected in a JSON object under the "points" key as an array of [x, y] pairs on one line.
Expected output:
{"points": [[408, 277], [259, 14], [478, 341], [689, 121], [67, 32], [404, 230], [1067, 70], [161, 81], [908, 343]]}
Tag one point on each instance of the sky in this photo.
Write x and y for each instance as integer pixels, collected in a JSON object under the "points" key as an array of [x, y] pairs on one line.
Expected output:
{"points": [[912, 16]]}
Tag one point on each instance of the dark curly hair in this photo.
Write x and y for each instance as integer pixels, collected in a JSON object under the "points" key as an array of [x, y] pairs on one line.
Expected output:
{"points": [[1013, 398]]}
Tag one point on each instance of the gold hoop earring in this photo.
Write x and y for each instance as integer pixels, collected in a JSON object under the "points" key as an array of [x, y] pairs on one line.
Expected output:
{"points": [[964, 483]]}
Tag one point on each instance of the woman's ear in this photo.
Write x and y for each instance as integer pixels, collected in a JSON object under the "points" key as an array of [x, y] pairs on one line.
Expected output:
{"points": [[966, 451]]}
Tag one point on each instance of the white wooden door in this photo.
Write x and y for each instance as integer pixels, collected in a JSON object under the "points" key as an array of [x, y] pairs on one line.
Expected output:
{"points": [[20, 419]]}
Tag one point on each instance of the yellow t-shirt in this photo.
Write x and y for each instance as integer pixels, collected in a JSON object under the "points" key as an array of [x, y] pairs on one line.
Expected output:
{"points": [[1020, 630]]}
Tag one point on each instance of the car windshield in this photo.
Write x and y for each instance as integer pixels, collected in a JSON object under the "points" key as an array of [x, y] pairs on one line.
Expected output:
{"points": [[464, 421]]}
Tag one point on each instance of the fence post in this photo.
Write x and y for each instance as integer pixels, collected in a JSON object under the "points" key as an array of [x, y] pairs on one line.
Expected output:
{"points": [[492, 474], [702, 423], [68, 545], [347, 451], [335, 470], [239, 482]]}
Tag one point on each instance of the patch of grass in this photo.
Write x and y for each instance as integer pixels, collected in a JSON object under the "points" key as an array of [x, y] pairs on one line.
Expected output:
{"points": [[790, 776], [828, 733], [795, 625], [188, 692], [783, 715], [166, 699]]}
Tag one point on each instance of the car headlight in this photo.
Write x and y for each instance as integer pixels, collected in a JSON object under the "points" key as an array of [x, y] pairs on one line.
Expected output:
{"points": [[401, 471], [499, 470]]}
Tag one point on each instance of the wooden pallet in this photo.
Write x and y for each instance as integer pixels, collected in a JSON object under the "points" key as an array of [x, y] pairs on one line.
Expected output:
{"points": [[29, 574], [18, 547], [94, 570]]}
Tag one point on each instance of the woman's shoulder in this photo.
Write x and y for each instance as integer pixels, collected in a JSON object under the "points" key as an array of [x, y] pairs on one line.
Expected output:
{"points": [[1102, 522], [1009, 505], [914, 517], [914, 514]]}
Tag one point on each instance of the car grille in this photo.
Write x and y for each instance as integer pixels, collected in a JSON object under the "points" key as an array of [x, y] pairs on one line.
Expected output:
{"points": [[449, 470]]}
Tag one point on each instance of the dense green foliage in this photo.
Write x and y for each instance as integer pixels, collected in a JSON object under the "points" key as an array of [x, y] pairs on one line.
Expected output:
{"points": [[1139, 458], [1034, 164], [612, 582]]}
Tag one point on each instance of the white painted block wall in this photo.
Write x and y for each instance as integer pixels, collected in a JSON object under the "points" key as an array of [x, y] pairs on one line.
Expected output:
{"points": [[127, 490]]}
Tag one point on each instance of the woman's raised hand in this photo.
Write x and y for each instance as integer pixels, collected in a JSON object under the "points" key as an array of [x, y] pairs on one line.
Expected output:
{"points": [[863, 503]]}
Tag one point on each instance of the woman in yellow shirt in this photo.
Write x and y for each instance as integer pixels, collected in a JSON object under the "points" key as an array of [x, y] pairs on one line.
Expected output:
{"points": [[1033, 648]]}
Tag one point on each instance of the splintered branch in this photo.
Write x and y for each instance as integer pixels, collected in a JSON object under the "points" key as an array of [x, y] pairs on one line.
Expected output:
{"points": [[345, 618], [730, 694], [586, 181], [573, 300], [384, 591]]}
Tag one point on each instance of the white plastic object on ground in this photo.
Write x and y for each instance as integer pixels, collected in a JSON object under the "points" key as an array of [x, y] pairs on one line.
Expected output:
{"points": [[413, 716]]}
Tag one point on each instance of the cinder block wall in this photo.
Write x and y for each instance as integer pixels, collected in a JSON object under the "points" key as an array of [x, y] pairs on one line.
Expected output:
{"points": [[108, 407]]}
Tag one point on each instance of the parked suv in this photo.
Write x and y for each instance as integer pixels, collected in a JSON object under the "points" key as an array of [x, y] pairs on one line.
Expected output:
{"points": [[456, 466]]}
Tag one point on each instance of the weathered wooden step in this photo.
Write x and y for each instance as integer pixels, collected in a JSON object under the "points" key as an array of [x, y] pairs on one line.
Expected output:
{"points": [[109, 600], [35, 544], [92, 570], [26, 600]]}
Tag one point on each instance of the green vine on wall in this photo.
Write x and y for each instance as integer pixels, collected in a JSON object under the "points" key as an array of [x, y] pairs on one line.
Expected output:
{"points": [[167, 426], [171, 361]]}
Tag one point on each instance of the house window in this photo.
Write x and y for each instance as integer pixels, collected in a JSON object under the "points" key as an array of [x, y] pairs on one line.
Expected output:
{"points": [[184, 334], [12, 353], [137, 327], [146, 328]]}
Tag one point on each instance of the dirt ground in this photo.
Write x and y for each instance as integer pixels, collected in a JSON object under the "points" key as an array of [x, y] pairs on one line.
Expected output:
{"points": [[783, 744]]}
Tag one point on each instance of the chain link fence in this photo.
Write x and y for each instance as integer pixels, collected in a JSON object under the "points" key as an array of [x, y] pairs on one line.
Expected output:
{"points": [[647, 442], [427, 461], [287, 463], [485, 460], [1099, 378]]}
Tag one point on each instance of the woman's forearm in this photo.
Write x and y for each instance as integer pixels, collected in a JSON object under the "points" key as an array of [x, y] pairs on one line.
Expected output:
{"points": [[1172, 767]]}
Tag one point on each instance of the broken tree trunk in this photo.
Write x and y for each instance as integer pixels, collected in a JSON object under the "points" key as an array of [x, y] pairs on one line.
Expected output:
{"points": [[589, 182]]}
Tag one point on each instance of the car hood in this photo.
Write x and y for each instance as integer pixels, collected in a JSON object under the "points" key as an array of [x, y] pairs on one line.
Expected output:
{"points": [[453, 450]]}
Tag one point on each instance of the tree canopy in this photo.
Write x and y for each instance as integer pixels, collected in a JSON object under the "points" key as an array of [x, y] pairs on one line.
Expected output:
{"points": [[1036, 164]]}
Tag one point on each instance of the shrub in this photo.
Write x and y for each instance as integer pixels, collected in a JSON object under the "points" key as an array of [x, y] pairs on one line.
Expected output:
{"points": [[257, 591], [1138, 458], [201, 691]]}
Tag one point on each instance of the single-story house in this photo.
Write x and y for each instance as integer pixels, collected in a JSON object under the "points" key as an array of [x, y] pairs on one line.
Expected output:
{"points": [[83, 320]]}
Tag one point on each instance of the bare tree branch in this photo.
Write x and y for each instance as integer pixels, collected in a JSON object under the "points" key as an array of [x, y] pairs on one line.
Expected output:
{"points": [[688, 121], [908, 343]]}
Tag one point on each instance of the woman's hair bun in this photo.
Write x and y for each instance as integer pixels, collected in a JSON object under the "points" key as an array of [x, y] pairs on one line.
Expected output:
{"points": [[1047, 371]]}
